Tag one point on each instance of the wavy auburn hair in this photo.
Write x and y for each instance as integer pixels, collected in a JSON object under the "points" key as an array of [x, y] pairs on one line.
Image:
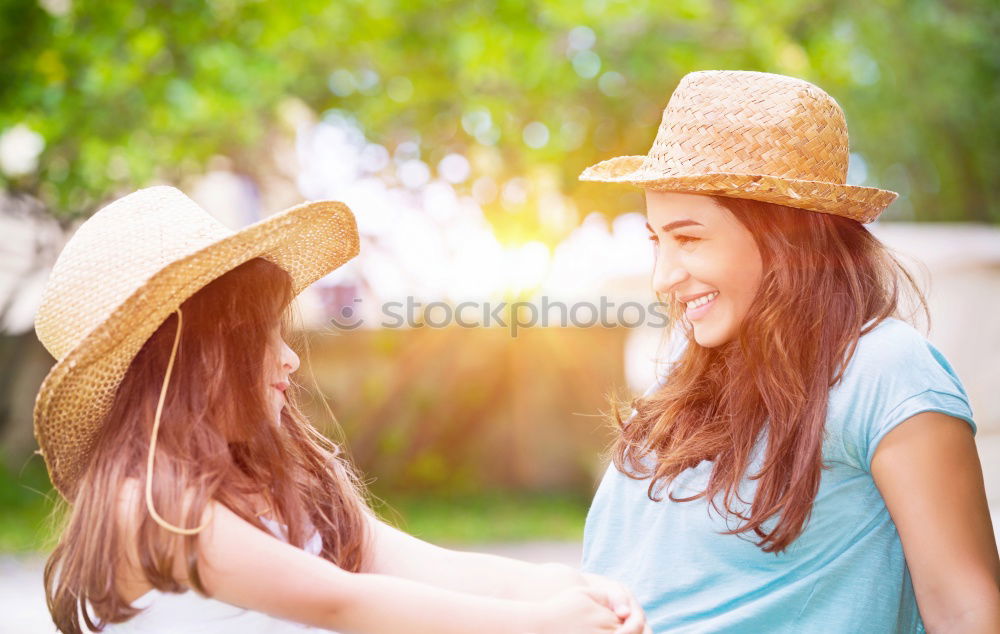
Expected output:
{"points": [[218, 441], [825, 277]]}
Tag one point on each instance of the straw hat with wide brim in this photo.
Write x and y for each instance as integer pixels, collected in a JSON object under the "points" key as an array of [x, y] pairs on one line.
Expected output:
{"points": [[124, 271], [746, 134]]}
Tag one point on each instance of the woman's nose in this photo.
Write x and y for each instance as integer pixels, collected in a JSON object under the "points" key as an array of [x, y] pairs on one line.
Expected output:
{"points": [[667, 275]]}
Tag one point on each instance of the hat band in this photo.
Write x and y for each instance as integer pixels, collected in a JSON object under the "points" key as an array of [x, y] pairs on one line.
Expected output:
{"points": [[152, 445]]}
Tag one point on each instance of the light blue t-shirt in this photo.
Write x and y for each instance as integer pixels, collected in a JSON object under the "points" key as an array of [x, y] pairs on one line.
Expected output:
{"points": [[844, 573]]}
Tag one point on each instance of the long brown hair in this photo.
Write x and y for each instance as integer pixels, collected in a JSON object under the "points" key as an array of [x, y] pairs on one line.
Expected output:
{"points": [[218, 440], [826, 281]]}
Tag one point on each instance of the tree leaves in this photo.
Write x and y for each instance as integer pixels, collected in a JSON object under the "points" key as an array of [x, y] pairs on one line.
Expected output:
{"points": [[125, 92]]}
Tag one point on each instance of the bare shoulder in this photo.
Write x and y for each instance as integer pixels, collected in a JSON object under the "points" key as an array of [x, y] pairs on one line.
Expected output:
{"points": [[130, 509]]}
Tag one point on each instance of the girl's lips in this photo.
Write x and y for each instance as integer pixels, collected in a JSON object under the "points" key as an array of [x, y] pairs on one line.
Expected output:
{"points": [[697, 313], [281, 387]]}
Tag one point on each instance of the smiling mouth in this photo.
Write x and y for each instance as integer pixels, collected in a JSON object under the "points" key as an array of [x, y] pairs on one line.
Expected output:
{"points": [[696, 308], [704, 299]]}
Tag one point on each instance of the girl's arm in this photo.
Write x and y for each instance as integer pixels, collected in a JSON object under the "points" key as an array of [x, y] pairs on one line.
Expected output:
{"points": [[244, 566], [928, 472], [399, 554]]}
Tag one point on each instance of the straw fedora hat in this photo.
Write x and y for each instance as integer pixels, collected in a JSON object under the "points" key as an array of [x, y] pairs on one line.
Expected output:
{"points": [[124, 271], [746, 134]]}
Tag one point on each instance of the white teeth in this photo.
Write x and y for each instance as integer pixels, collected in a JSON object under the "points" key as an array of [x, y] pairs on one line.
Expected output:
{"points": [[701, 301]]}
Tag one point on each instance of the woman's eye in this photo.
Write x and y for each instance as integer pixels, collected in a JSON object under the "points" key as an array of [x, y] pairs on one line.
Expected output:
{"points": [[683, 240]]}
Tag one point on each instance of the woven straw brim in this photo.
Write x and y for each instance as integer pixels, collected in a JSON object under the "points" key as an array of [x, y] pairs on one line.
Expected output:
{"points": [[308, 241], [863, 204]]}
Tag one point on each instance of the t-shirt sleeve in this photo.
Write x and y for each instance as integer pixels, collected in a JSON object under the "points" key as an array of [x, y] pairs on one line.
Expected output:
{"points": [[896, 375]]}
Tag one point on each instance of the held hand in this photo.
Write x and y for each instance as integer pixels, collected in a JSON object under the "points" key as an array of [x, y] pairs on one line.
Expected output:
{"points": [[550, 579], [580, 610], [621, 602]]}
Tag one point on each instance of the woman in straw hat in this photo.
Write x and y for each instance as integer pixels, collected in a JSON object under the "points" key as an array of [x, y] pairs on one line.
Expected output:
{"points": [[803, 439], [201, 499]]}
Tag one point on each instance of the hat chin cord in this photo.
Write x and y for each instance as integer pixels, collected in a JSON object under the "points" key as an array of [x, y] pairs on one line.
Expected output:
{"points": [[152, 446]]}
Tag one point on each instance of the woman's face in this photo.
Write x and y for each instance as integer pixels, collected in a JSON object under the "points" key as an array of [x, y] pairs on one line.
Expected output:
{"points": [[286, 363], [706, 259]]}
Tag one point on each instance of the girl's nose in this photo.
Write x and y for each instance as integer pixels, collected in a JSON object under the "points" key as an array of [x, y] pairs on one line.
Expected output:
{"points": [[289, 360]]}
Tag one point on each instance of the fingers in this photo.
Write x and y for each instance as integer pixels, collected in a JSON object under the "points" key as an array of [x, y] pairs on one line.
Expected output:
{"points": [[617, 598], [620, 600], [608, 621], [599, 594], [612, 594], [602, 597], [635, 623]]}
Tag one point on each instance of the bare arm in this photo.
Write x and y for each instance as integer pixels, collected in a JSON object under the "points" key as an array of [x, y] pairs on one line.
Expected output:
{"points": [[244, 566], [399, 554], [928, 472]]}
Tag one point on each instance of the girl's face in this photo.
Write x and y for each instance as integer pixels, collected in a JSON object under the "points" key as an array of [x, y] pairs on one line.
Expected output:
{"points": [[286, 363], [705, 259]]}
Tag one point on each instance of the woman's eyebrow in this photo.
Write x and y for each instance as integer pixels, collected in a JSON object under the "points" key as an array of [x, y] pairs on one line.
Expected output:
{"points": [[677, 224]]}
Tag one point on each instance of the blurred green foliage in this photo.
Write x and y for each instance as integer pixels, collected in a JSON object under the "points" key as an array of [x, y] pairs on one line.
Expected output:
{"points": [[125, 92], [27, 499], [491, 516]]}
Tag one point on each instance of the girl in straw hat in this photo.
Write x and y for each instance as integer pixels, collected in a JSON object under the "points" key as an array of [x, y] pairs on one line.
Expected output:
{"points": [[201, 498], [806, 463]]}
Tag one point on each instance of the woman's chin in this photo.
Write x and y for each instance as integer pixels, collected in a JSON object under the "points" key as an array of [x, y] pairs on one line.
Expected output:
{"points": [[711, 336]]}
